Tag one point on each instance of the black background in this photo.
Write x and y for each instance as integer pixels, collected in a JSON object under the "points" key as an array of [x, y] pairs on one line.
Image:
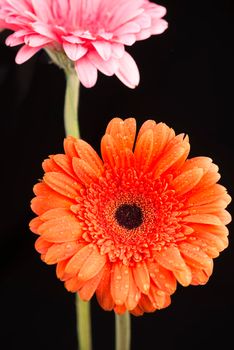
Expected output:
{"points": [[186, 82]]}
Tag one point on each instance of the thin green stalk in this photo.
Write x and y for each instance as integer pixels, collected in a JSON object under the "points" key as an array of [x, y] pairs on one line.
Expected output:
{"points": [[83, 324], [71, 122], [122, 331]]}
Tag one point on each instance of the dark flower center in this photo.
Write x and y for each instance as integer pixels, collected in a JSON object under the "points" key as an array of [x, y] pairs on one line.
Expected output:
{"points": [[129, 216]]}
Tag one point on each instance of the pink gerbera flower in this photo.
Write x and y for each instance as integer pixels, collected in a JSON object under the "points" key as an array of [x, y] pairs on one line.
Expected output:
{"points": [[91, 34]]}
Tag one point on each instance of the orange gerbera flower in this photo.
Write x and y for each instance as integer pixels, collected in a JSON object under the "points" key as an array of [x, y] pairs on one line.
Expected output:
{"points": [[130, 226]]}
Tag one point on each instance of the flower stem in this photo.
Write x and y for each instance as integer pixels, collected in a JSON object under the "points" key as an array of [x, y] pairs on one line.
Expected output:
{"points": [[122, 331], [83, 324], [71, 123]]}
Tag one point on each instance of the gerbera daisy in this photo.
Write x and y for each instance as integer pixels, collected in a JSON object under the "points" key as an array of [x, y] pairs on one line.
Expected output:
{"points": [[89, 35], [130, 225]]}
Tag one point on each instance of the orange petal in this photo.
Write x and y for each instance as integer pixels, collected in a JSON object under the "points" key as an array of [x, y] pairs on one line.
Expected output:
{"points": [[147, 125], [73, 284], [42, 246], [60, 251], [110, 151], [41, 204], [133, 293], [162, 277], [55, 213], [103, 290], [157, 297], [218, 231], [123, 132], [92, 265], [127, 159], [145, 304], [203, 219], [41, 189], [170, 259], [180, 162], [186, 230], [87, 291], [61, 229], [210, 250], [69, 146], [184, 277], [119, 283], [60, 270], [87, 154], [200, 277], [195, 256], [227, 198], [207, 195], [208, 180], [141, 277], [221, 231], [224, 216], [138, 311], [83, 171], [76, 262], [64, 162], [35, 224], [49, 165], [197, 162], [208, 208], [162, 135], [187, 180], [120, 309], [177, 140], [212, 240], [167, 160], [62, 184], [144, 150], [115, 126], [130, 132]]}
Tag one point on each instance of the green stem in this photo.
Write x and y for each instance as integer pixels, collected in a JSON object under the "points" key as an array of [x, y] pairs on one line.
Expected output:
{"points": [[71, 122], [122, 331], [83, 324]]}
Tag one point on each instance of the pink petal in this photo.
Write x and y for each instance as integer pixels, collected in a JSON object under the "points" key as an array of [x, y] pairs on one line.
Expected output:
{"points": [[42, 10], [125, 11], [60, 8], [159, 26], [36, 40], [86, 71], [144, 34], [44, 29], [128, 72], [117, 50], [155, 10], [144, 20], [12, 40], [128, 28], [72, 39], [25, 53], [21, 6], [106, 67], [74, 51], [103, 48], [126, 39]]}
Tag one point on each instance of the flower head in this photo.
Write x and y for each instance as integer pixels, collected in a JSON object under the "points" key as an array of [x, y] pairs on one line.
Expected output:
{"points": [[91, 34], [130, 225]]}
